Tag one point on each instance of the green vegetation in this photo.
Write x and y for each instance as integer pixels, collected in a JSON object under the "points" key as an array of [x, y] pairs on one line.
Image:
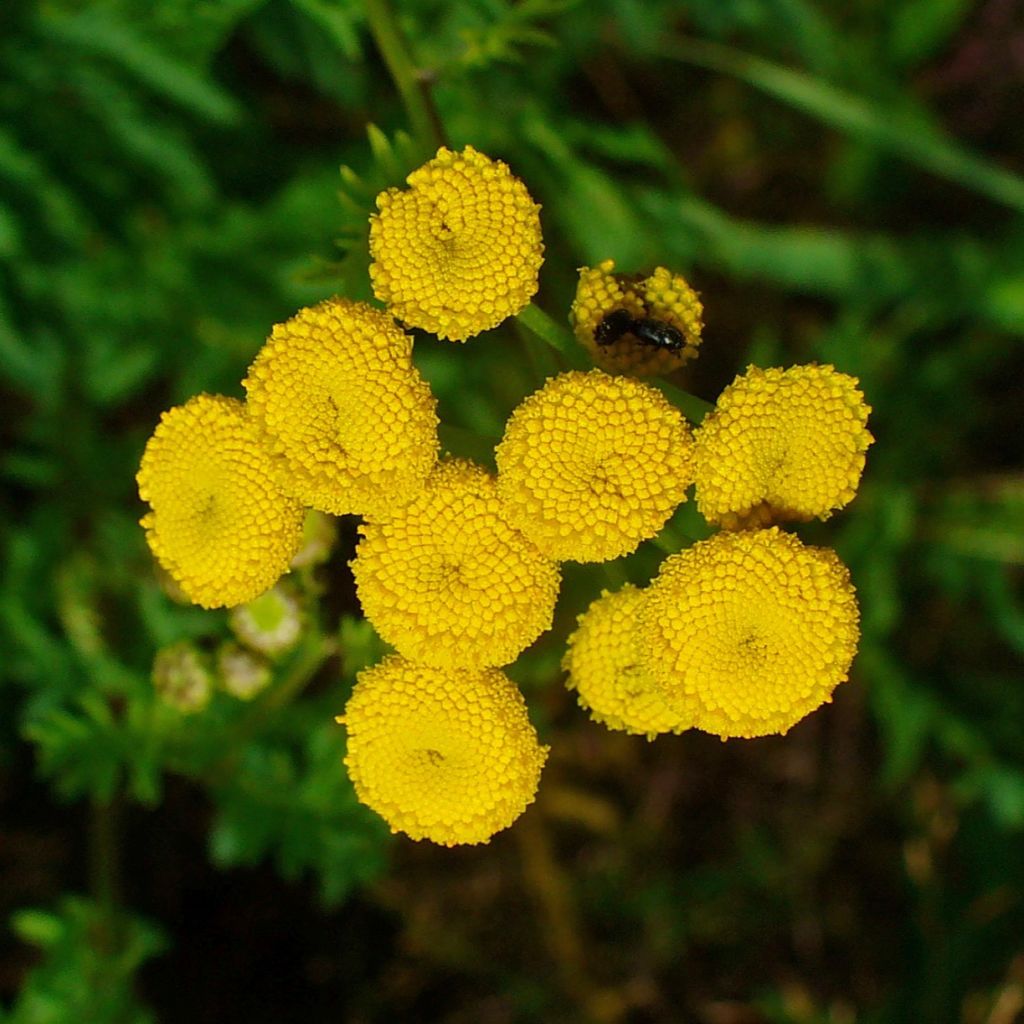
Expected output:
{"points": [[841, 182]]}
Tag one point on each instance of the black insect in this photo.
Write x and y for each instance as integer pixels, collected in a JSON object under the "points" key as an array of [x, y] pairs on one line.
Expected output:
{"points": [[613, 326], [647, 330], [658, 334]]}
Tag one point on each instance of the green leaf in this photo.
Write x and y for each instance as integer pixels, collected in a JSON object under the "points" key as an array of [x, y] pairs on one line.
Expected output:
{"points": [[341, 22], [97, 31], [914, 138], [904, 712], [91, 956], [299, 808], [918, 28]]}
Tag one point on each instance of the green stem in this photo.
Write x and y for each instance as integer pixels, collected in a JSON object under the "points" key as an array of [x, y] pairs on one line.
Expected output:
{"points": [[423, 117], [535, 320], [104, 864], [686, 527], [615, 573], [667, 542], [307, 662], [693, 408]]}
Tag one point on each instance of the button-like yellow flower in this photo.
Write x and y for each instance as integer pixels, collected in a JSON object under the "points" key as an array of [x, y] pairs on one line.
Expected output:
{"points": [[220, 523], [447, 755], [606, 669], [448, 582], [341, 405], [460, 249], [591, 465], [661, 295], [782, 445], [748, 632]]}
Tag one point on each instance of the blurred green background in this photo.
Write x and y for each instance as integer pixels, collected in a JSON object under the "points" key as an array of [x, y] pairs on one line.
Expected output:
{"points": [[842, 182]]}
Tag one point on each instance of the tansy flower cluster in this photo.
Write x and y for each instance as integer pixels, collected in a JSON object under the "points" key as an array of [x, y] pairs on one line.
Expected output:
{"points": [[459, 568], [747, 632]]}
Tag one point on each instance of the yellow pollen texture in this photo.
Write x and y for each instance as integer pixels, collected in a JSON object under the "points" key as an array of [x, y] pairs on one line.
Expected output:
{"points": [[447, 755], [748, 632], [448, 582], [591, 465], [606, 670], [782, 445], [220, 523], [460, 249], [339, 403], [661, 295]]}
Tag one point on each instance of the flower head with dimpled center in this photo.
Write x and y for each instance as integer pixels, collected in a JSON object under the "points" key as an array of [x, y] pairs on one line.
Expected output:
{"points": [[448, 581], [606, 670], [748, 632], [447, 755], [220, 522], [350, 420], [459, 250], [782, 445], [591, 465]]}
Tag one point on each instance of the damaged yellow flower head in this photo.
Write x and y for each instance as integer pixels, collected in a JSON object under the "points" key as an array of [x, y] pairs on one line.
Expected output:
{"points": [[460, 249], [782, 445], [350, 419], [591, 465], [605, 668], [220, 523], [447, 755], [448, 582], [748, 632], [660, 296]]}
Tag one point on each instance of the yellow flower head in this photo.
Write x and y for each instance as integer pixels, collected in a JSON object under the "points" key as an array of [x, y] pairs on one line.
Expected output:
{"points": [[661, 295], [448, 582], [748, 632], [782, 444], [447, 755], [591, 465], [604, 666], [460, 249], [220, 523], [340, 404]]}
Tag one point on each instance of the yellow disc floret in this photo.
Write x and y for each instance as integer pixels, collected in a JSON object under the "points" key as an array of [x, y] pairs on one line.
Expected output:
{"points": [[460, 249], [606, 670], [661, 295], [350, 419], [748, 632], [591, 465], [448, 582], [447, 755], [220, 523], [781, 445]]}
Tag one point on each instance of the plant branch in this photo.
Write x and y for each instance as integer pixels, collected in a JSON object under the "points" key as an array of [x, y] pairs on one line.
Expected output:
{"points": [[419, 108], [307, 662], [105, 864]]}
